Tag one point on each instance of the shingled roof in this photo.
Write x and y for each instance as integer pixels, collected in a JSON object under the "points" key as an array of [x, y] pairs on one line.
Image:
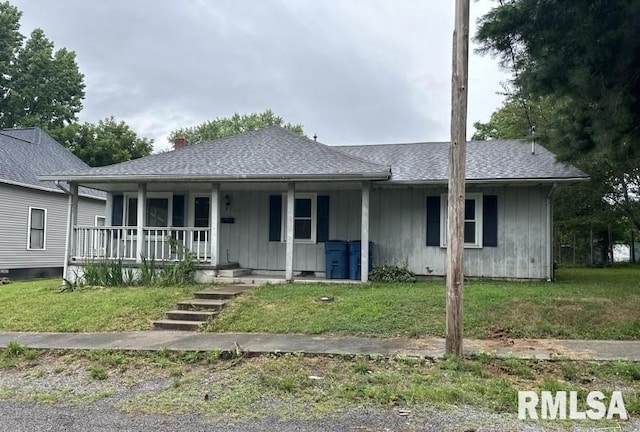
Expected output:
{"points": [[270, 153], [504, 160], [27, 153], [276, 154]]}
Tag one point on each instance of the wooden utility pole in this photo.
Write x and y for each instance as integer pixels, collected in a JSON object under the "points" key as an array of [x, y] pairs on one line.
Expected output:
{"points": [[457, 161]]}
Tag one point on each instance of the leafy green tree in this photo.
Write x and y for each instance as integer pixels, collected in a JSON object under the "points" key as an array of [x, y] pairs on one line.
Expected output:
{"points": [[226, 126], [39, 86], [10, 42], [105, 143], [516, 119]]}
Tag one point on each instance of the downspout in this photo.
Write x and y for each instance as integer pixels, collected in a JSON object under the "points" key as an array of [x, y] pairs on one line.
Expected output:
{"points": [[550, 233], [67, 243], [60, 186]]}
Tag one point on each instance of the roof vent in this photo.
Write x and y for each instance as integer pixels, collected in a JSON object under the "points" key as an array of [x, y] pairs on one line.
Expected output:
{"points": [[533, 140]]}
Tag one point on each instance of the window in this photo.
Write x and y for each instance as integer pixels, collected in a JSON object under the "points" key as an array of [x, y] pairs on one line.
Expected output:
{"points": [[200, 217], [37, 238], [480, 221], [201, 212], [100, 221], [304, 218], [178, 211], [157, 212], [132, 212], [472, 220]]}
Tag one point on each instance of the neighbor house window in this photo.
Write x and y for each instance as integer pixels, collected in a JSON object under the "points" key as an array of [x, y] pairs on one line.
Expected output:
{"points": [[37, 232], [304, 218], [472, 220]]}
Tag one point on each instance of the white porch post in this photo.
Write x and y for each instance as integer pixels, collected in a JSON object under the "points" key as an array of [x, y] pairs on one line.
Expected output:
{"points": [[289, 253], [72, 221], [214, 220], [108, 211], [364, 235], [142, 202]]}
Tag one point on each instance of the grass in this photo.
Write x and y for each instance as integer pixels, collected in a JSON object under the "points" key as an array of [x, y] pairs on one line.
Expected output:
{"points": [[282, 386], [40, 306], [582, 304], [232, 388]]}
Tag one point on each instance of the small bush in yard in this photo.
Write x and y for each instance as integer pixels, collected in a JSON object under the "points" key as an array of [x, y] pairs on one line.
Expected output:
{"points": [[391, 273]]}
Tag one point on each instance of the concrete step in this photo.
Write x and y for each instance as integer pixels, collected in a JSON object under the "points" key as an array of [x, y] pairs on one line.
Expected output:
{"points": [[232, 273], [222, 293], [200, 304], [189, 315], [167, 324]]}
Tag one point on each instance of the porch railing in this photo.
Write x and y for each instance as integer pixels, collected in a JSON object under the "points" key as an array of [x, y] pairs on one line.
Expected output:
{"points": [[160, 243]]}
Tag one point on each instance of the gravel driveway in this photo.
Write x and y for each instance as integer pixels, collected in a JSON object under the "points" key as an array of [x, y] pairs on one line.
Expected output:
{"points": [[70, 401]]}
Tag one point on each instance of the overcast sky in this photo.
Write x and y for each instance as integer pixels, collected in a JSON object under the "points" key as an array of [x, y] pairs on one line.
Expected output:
{"points": [[352, 71]]}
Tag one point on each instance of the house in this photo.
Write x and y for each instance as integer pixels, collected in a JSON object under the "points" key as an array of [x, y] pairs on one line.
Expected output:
{"points": [[33, 212], [269, 199]]}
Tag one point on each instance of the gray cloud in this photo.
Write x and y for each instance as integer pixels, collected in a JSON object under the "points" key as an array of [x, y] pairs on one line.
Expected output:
{"points": [[352, 71]]}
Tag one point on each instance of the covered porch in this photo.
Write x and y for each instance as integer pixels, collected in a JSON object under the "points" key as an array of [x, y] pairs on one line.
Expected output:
{"points": [[275, 229]]}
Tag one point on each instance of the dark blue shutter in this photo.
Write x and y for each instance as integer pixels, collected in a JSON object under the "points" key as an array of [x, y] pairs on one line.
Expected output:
{"points": [[275, 217], [490, 221], [116, 210], [322, 224], [433, 221]]}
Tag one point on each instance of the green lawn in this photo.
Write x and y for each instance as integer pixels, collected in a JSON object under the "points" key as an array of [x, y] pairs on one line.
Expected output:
{"points": [[582, 303], [40, 306]]}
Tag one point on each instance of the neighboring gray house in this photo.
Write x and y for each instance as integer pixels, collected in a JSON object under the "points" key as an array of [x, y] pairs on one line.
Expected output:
{"points": [[33, 213], [269, 199]]}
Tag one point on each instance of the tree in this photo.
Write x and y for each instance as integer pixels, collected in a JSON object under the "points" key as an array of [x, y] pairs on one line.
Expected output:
{"points": [[40, 86], [516, 119], [583, 59], [586, 51], [226, 126], [105, 143]]}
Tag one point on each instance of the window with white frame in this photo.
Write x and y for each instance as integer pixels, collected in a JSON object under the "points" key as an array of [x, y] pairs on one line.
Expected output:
{"points": [[472, 220], [304, 218], [100, 221], [37, 231], [156, 210]]}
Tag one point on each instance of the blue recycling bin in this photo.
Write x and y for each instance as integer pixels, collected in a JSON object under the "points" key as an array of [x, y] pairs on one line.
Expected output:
{"points": [[354, 259], [336, 259]]}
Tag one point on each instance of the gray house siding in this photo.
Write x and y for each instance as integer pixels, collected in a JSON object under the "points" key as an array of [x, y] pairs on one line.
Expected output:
{"points": [[398, 229], [14, 216], [247, 240]]}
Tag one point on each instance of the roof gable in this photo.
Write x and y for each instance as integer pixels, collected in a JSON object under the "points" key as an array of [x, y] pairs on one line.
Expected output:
{"points": [[272, 152]]}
